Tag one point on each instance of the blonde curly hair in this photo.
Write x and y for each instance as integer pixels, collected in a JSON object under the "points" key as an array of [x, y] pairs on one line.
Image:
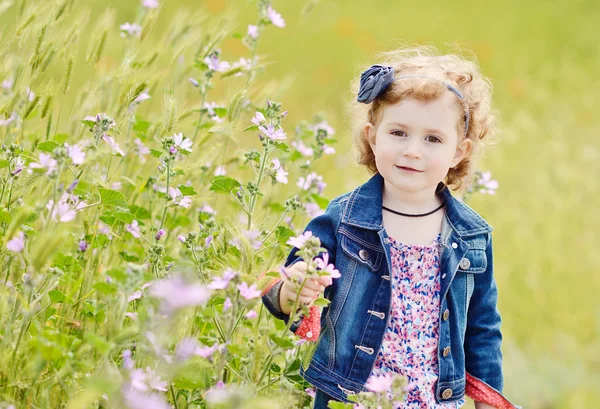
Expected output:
{"points": [[461, 73]]}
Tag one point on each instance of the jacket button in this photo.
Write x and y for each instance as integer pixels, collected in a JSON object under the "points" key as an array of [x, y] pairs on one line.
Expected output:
{"points": [[446, 315], [446, 351], [447, 394], [309, 334], [454, 245], [465, 263], [363, 254]]}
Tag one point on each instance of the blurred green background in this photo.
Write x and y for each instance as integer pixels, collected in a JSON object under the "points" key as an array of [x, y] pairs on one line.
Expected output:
{"points": [[543, 59]]}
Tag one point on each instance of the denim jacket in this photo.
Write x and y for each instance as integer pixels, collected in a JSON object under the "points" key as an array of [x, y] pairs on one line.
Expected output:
{"points": [[352, 326]]}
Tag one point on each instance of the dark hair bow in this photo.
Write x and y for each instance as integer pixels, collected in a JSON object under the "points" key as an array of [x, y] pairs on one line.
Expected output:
{"points": [[373, 82]]}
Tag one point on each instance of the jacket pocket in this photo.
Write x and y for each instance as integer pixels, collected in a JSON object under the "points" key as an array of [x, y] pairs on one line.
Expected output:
{"points": [[474, 261], [362, 251]]}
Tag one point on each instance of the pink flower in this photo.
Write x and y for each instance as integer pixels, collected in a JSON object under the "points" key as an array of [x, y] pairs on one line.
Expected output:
{"points": [[215, 65], [275, 18], [323, 265], [75, 153], [252, 31], [135, 399], [46, 162], [310, 392], [273, 134], [227, 304], [328, 150], [113, 144], [281, 175], [182, 144], [141, 150], [128, 29], [313, 210], [251, 236], [136, 295], [220, 171], [324, 126], [150, 4], [133, 229], [181, 238], [17, 244], [142, 97], [221, 283], [303, 149], [175, 293], [379, 383], [258, 118], [248, 292], [299, 241], [486, 184], [179, 199], [251, 314], [66, 208]]}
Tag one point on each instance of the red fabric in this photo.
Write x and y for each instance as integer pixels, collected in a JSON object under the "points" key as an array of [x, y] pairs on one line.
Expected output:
{"points": [[480, 391]]}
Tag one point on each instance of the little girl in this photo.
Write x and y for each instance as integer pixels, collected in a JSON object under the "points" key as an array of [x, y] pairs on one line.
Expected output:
{"points": [[417, 295]]}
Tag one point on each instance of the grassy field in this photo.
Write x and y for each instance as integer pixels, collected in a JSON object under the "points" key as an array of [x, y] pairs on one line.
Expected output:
{"points": [[543, 59]]}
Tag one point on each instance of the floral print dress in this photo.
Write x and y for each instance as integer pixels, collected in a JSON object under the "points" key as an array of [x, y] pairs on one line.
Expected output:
{"points": [[410, 342]]}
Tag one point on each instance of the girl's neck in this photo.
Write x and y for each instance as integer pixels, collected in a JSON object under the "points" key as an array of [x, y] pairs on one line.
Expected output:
{"points": [[410, 202]]}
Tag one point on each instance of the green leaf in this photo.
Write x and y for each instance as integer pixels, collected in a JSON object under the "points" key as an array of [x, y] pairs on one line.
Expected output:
{"points": [[187, 190], [47, 146], [105, 288], [320, 200], [321, 302], [339, 405], [98, 342], [155, 153], [60, 138], [282, 342], [282, 146], [124, 216], [5, 216], [56, 296], [88, 123], [3, 163], [283, 233], [223, 184], [139, 212], [251, 128], [112, 198]]}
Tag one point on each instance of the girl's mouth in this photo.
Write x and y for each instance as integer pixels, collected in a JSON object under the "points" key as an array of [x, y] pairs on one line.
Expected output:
{"points": [[407, 169]]}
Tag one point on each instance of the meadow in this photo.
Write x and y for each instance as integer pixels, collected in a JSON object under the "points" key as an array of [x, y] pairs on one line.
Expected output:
{"points": [[156, 162]]}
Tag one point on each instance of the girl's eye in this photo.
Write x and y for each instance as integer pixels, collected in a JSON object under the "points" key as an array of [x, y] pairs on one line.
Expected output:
{"points": [[433, 139], [398, 133]]}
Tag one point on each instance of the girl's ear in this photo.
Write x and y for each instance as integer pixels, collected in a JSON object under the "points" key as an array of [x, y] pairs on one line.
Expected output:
{"points": [[462, 151], [369, 131]]}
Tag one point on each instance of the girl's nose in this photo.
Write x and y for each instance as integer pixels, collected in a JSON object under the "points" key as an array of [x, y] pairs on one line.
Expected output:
{"points": [[412, 149]]}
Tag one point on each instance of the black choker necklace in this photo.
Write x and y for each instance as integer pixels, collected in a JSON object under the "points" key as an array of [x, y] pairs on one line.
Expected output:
{"points": [[412, 215]]}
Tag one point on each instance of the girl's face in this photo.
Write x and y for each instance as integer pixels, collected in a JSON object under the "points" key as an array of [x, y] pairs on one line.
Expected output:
{"points": [[417, 142]]}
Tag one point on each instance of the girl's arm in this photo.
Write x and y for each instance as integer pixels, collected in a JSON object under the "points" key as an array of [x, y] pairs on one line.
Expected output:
{"points": [[481, 405]]}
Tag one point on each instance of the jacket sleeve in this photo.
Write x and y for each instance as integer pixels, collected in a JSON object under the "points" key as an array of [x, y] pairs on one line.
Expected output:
{"points": [[324, 227], [483, 339]]}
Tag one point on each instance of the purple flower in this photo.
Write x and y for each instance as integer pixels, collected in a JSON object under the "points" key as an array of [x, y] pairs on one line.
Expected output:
{"points": [[313, 210], [127, 361], [207, 241], [194, 82], [139, 400], [252, 31], [182, 144], [299, 241], [206, 352], [17, 244], [136, 295], [311, 180], [75, 153], [273, 134], [251, 314], [7, 84], [227, 304], [46, 162], [175, 293], [142, 97], [379, 383], [215, 65], [275, 18], [251, 236], [220, 171], [66, 208], [486, 184], [141, 150], [221, 283], [248, 292], [133, 229], [128, 29], [159, 234], [323, 125], [303, 149], [281, 175], [181, 238], [258, 118], [83, 245], [178, 198], [11, 119], [310, 392], [150, 4], [113, 144]]}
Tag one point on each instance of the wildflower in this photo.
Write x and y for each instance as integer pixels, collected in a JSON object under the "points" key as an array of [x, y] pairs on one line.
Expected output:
{"points": [[150, 4], [207, 209], [135, 399], [258, 118], [128, 29], [328, 150], [323, 126], [178, 198], [251, 314], [252, 31], [159, 234], [312, 180], [175, 293], [248, 292], [181, 238], [313, 210], [136, 295], [281, 175], [210, 110], [303, 149], [323, 265], [251, 236], [17, 244], [206, 352], [486, 184], [133, 229], [7, 84], [275, 18], [227, 304], [310, 392], [143, 380], [214, 64], [127, 361], [83, 245], [272, 133], [142, 97], [207, 241], [11, 119], [182, 144], [30, 94], [299, 241], [46, 162], [194, 82], [75, 153], [132, 315], [66, 208], [220, 171], [380, 383], [141, 150], [113, 144], [221, 283]]}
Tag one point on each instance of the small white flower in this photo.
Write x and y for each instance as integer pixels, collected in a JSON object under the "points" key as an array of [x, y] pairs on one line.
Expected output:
{"points": [[113, 144], [182, 144]]}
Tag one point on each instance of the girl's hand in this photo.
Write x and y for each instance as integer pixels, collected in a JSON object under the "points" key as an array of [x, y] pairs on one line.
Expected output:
{"points": [[311, 291]]}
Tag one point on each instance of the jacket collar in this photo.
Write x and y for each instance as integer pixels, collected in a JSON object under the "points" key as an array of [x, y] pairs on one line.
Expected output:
{"points": [[363, 209]]}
